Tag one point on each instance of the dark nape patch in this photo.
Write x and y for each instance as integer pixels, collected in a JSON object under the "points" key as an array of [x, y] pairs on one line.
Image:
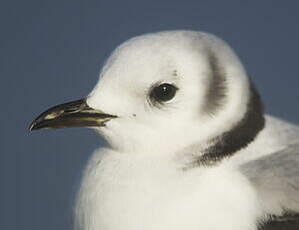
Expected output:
{"points": [[216, 93], [289, 221], [240, 136], [134, 115]]}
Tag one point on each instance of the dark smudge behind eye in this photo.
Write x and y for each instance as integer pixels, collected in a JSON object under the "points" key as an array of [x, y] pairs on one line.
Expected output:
{"points": [[216, 92]]}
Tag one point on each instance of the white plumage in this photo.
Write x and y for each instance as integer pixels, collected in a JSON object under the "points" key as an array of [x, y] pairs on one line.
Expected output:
{"points": [[141, 183], [202, 160]]}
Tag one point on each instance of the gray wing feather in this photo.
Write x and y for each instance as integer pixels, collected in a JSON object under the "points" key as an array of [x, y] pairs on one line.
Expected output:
{"points": [[289, 223], [276, 179]]}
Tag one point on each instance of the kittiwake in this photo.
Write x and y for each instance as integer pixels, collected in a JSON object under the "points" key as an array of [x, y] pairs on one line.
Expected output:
{"points": [[189, 146]]}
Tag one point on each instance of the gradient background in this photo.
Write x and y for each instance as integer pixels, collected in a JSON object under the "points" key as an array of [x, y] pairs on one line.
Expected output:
{"points": [[52, 51]]}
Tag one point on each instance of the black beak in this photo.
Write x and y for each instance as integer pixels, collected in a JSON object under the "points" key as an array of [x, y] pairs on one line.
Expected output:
{"points": [[72, 114]]}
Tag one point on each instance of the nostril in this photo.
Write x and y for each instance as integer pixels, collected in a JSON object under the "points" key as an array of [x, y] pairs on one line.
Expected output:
{"points": [[70, 110]]}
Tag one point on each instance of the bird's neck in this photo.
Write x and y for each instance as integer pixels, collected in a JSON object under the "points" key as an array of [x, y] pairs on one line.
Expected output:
{"points": [[240, 136]]}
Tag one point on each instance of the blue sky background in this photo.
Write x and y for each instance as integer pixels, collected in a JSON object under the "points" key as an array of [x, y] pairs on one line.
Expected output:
{"points": [[51, 52]]}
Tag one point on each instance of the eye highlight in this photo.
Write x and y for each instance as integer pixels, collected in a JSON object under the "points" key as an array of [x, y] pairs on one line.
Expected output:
{"points": [[163, 92]]}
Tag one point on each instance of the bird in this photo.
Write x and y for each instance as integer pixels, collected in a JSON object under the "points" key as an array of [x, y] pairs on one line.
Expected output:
{"points": [[189, 145]]}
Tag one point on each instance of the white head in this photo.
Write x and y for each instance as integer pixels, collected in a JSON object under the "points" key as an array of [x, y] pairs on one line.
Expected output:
{"points": [[179, 87]]}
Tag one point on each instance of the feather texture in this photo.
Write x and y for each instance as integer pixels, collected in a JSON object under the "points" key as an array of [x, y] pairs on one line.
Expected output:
{"points": [[276, 179]]}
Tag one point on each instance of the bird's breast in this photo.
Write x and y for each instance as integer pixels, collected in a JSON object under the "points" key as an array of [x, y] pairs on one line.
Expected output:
{"points": [[136, 193]]}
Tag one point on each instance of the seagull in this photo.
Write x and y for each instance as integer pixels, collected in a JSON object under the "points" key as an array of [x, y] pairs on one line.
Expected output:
{"points": [[188, 143]]}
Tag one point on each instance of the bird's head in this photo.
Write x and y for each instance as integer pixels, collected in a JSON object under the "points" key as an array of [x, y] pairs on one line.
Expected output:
{"points": [[162, 92]]}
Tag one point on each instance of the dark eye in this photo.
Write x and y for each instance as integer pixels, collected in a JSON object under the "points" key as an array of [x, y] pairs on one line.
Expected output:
{"points": [[163, 92]]}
